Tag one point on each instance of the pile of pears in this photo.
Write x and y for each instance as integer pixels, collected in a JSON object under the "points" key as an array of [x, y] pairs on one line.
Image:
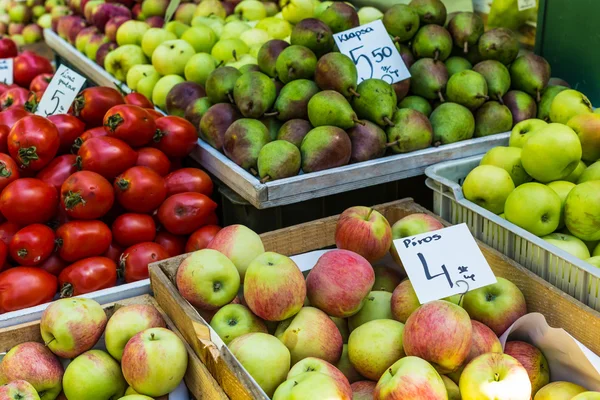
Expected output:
{"points": [[301, 109]]}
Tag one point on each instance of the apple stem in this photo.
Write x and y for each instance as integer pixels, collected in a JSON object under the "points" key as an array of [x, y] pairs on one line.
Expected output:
{"points": [[369, 214], [436, 55], [49, 341]]}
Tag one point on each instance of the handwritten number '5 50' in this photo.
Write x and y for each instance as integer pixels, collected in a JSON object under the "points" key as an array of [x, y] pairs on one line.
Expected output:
{"points": [[378, 55]]}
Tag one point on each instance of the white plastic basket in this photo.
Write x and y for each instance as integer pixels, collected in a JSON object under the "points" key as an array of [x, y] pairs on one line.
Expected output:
{"points": [[563, 270]]}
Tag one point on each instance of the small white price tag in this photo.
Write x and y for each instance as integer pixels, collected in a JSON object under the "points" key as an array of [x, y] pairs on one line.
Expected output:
{"points": [[526, 4], [373, 52], [61, 91], [6, 71], [443, 263]]}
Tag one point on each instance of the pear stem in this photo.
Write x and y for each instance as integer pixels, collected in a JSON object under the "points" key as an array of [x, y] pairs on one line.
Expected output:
{"points": [[272, 114], [358, 121], [436, 55], [441, 96], [388, 121], [466, 47], [539, 97], [437, 144], [500, 100], [231, 100], [265, 179], [392, 143], [483, 96], [253, 171], [354, 92]]}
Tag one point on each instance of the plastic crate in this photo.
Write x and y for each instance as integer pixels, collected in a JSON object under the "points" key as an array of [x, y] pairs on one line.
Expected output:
{"points": [[563, 270]]}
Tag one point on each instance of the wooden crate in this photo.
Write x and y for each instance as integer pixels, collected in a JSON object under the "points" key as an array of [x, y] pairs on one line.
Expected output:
{"points": [[197, 377], [560, 309]]}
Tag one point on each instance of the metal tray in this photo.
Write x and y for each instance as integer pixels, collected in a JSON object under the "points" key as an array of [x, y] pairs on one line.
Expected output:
{"points": [[563, 270]]}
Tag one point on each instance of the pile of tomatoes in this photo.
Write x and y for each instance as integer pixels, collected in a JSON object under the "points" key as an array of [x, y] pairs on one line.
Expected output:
{"points": [[90, 198]]}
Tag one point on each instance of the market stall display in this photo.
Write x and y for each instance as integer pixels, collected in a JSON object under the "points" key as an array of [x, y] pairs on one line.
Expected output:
{"points": [[24, 21]]}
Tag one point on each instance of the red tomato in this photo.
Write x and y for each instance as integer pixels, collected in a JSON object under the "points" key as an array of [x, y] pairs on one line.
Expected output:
{"points": [[8, 48], [24, 287], [201, 238], [183, 213], [131, 124], [155, 114], [33, 142], [32, 244], [154, 159], [175, 136], [90, 133], [7, 231], [59, 169], [3, 254], [92, 103], [9, 171], [80, 239], [138, 99], [14, 97], [106, 156], [28, 201], [40, 82], [27, 66], [12, 115], [212, 219], [175, 245], [139, 189], [114, 252], [189, 180], [69, 129], [134, 261], [86, 195], [53, 264], [4, 131], [87, 275], [129, 229]]}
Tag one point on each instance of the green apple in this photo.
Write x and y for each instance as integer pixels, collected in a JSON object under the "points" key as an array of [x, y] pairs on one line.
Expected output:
{"points": [[596, 251], [108, 382], [137, 73], [277, 28], [295, 11], [369, 14], [226, 50], [185, 13], [119, 61], [45, 21], [567, 104], [534, 207], [128, 321], [151, 8], [146, 85], [587, 127], [170, 57], [523, 130], [488, 186], [341, 323], [92, 46], [136, 397], [251, 10], [595, 261], [377, 306], [246, 59], [199, 67], [587, 396], [209, 8], [18, 39], [493, 376], [569, 243], [346, 367], [534, 362], [386, 278], [153, 38], [313, 364], [19, 389], [38, 11], [559, 390], [497, 305], [451, 388], [154, 361], [207, 278], [255, 37], [202, 38], [562, 189], [591, 173], [375, 345], [410, 378], [508, 158], [265, 358], [70, 327], [311, 385], [582, 211], [176, 27], [235, 320], [576, 174], [214, 23], [234, 29], [321, 7], [240, 244], [131, 32]]}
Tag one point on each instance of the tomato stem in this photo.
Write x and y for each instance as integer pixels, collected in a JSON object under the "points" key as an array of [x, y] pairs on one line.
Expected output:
{"points": [[78, 105], [66, 290], [22, 253], [78, 163], [72, 199], [76, 145], [9, 102], [113, 122], [58, 244], [159, 135], [28, 154], [121, 267], [4, 171], [122, 183]]}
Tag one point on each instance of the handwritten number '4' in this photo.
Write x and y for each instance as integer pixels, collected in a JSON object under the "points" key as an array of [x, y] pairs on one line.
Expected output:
{"points": [[428, 274]]}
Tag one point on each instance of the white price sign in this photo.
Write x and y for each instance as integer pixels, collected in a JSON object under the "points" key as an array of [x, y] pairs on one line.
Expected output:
{"points": [[61, 92], [527, 4], [6, 71], [372, 50], [443, 263]]}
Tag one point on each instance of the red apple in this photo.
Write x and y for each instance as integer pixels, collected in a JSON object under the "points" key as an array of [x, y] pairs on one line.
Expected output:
{"points": [[404, 301], [18, 389], [410, 378], [15, 28], [103, 51], [34, 363], [8, 48], [439, 332], [339, 283], [484, 340], [155, 21], [533, 361], [363, 390], [113, 24], [411, 225], [104, 12], [316, 364], [364, 231], [240, 244]]}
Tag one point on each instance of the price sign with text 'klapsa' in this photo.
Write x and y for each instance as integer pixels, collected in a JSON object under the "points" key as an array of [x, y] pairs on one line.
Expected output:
{"points": [[373, 52], [60, 93], [443, 263], [6, 71]]}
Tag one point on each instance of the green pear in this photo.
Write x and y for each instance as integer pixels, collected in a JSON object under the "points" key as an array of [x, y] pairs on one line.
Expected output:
{"points": [[292, 102], [401, 21], [467, 88], [496, 76], [492, 118], [325, 147], [416, 103], [530, 73], [331, 108], [254, 93], [451, 123], [294, 131], [430, 11], [296, 62], [457, 64], [466, 28], [499, 44], [268, 54], [411, 131], [313, 34], [432, 41], [277, 160], [340, 17], [220, 84], [336, 71], [376, 101], [243, 141], [429, 78]]}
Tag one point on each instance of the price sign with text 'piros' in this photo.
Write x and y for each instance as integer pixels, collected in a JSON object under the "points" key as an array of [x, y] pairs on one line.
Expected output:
{"points": [[443, 263], [373, 52], [6, 71], [61, 92]]}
